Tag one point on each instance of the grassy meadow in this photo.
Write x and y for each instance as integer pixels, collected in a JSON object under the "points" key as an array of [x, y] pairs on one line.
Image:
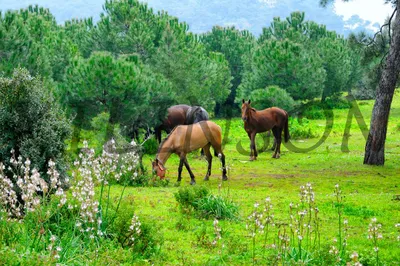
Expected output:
{"points": [[368, 192], [176, 235]]}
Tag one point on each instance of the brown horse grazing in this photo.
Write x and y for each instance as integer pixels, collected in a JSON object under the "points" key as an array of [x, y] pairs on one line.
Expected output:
{"points": [[260, 121], [184, 139]]}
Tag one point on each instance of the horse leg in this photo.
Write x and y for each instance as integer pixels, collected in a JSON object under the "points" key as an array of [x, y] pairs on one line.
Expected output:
{"points": [[222, 157], [278, 138], [218, 152], [192, 182], [208, 155], [180, 168], [253, 148], [274, 145]]}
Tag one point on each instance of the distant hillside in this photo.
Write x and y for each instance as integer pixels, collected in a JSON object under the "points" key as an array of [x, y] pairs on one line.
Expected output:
{"points": [[202, 15]]}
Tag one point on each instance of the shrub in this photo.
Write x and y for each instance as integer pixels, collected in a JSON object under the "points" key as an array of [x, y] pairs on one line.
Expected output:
{"points": [[150, 146], [364, 93], [301, 128], [217, 207], [133, 232], [314, 112], [272, 96], [205, 204], [336, 103], [188, 196], [315, 109], [31, 122]]}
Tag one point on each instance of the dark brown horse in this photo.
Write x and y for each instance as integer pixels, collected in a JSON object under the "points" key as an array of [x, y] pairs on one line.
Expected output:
{"points": [[184, 139], [181, 114], [260, 121]]}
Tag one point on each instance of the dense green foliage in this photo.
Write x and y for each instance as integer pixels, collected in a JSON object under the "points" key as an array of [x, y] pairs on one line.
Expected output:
{"points": [[31, 121], [272, 96], [302, 58], [236, 46], [216, 69], [124, 88]]}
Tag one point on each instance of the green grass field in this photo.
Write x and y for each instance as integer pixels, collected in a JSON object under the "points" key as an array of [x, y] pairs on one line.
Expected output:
{"points": [[368, 192], [172, 235]]}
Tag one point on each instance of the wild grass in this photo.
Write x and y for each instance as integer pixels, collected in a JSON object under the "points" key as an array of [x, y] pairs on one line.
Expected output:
{"points": [[342, 231]]}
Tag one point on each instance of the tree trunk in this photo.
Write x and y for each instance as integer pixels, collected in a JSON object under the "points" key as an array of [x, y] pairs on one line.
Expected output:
{"points": [[375, 147]]}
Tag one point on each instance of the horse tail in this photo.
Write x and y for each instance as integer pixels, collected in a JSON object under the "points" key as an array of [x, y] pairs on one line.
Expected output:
{"points": [[287, 128]]}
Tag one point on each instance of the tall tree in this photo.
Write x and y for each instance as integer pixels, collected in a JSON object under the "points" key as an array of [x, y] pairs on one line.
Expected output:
{"points": [[32, 39], [124, 87], [375, 146], [236, 46]]}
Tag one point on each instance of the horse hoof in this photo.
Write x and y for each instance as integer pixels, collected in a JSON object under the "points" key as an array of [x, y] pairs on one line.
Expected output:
{"points": [[253, 158], [206, 178], [225, 178], [193, 182]]}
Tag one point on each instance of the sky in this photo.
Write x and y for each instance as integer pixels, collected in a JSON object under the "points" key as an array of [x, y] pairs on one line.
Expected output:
{"points": [[370, 10], [252, 15]]}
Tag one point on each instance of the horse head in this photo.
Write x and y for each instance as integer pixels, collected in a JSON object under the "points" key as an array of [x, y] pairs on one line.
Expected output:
{"points": [[246, 108], [158, 168]]}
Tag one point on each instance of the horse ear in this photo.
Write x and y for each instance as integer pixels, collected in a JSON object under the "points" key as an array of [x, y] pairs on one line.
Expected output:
{"points": [[249, 101], [242, 100]]}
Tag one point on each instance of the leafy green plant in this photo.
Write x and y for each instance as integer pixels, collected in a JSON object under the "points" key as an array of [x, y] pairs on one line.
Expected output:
{"points": [[32, 123], [301, 128], [217, 207], [205, 204], [189, 196], [272, 96]]}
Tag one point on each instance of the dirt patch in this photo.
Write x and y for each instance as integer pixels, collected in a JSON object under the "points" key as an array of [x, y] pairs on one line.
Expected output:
{"points": [[282, 176]]}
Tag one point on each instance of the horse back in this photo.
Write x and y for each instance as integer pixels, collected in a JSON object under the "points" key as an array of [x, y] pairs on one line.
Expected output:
{"points": [[176, 115], [195, 136], [267, 119]]}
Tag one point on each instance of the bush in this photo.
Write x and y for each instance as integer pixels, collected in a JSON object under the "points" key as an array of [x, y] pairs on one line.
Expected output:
{"points": [[150, 146], [31, 122], [272, 96], [205, 204], [144, 243], [364, 93], [301, 128], [315, 109], [217, 207], [188, 196], [336, 103], [314, 112]]}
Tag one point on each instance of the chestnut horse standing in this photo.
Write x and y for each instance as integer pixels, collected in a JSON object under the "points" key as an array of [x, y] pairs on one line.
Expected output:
{"points": [[184, 139], [260, 121]]}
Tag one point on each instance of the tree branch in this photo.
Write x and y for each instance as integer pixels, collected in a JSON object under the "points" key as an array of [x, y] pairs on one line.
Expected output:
{"points": [[380, 30]]}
